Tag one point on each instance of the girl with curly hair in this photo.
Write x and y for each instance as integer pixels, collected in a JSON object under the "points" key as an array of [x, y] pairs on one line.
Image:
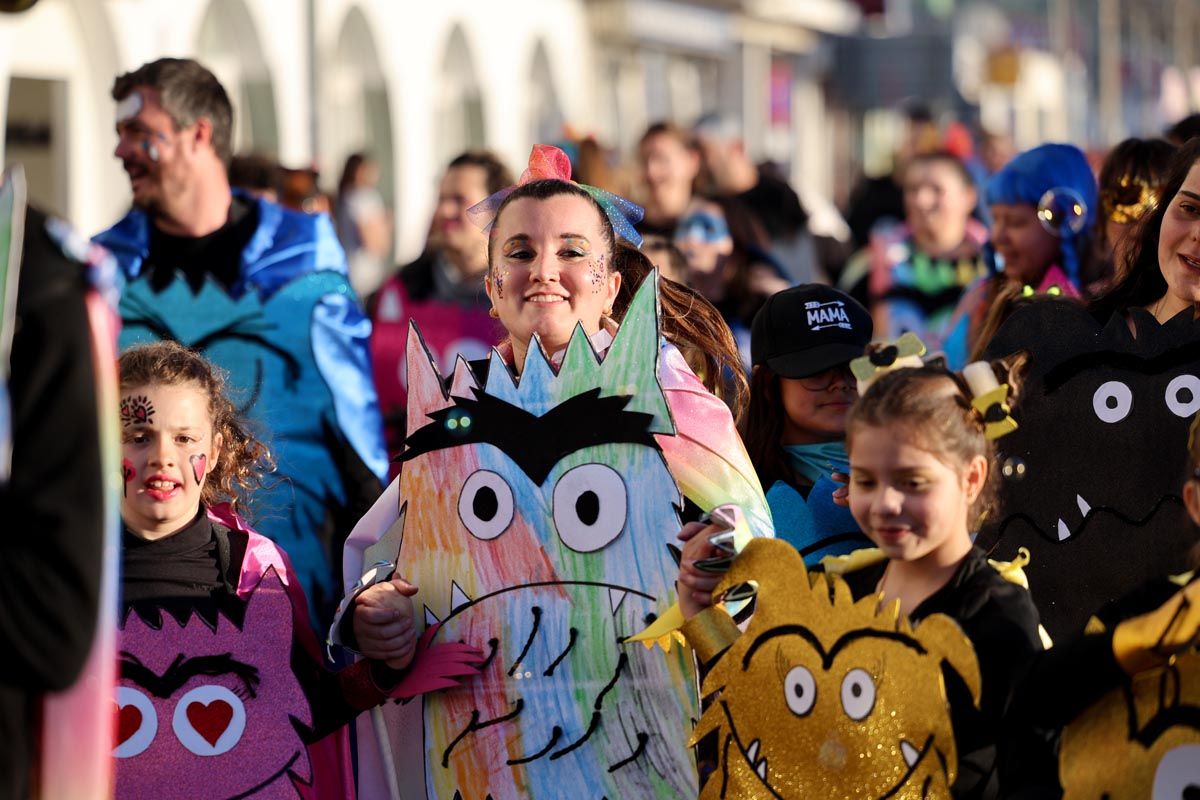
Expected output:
{"points": [[189, 460]]}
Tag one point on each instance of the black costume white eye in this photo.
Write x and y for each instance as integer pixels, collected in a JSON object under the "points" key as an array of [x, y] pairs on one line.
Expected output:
{"points": [[485, 504], [858, 694], [799, 690], [1178, 774], [589, 507], [209, 720], [1112, 401], [137, 722], [1183, 395]]}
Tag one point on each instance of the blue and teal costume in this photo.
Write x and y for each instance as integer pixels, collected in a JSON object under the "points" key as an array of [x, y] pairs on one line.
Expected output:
{"points": [[815, 525], [290, 333]]}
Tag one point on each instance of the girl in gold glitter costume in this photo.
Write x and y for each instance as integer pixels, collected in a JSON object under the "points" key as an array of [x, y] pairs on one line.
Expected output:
{"points": [[921, 454]]}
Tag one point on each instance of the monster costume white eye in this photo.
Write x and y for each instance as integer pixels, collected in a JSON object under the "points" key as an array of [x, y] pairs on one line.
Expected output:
{"points": [[858, 694], [799, 690], [589, 507], [485, 504], [209, 720], [137, 722], [1183, 395], [1112, 401]]}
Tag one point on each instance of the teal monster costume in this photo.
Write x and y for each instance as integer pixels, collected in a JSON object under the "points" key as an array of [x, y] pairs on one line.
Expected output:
{"points": [[293, 339]]}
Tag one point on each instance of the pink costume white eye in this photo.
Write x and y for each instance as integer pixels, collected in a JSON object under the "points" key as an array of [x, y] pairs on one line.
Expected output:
{"points": [[137, 722], [485, 505], [209, 720]]}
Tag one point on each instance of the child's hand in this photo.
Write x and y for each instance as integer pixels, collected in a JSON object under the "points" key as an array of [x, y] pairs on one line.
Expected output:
{"points": [[383, 623], [841, 495], [695, 586]]}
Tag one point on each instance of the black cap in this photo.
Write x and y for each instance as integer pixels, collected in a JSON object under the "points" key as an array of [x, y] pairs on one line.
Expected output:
{"points": [[808, 329]]}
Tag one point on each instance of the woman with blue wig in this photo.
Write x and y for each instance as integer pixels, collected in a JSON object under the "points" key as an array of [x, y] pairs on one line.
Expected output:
{"points": [[1043, 207]]}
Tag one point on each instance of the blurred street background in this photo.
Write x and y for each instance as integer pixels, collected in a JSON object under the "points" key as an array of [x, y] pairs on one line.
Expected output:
{"points": [[825, 91]]}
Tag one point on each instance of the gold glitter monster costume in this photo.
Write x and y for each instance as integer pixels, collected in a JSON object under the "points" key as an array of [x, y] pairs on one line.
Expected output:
{"points": [[823, 696]]}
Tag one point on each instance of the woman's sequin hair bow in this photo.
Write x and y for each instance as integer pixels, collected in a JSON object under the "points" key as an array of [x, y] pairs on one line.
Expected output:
{"points": [[547, 162], [1129, 200]]}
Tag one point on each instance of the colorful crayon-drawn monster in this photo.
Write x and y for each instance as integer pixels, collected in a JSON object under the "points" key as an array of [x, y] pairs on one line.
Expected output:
{"points": [[534, 517]]}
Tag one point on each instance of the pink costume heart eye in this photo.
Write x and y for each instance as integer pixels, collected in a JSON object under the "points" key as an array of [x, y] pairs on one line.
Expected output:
{"points": [[210, 719]]}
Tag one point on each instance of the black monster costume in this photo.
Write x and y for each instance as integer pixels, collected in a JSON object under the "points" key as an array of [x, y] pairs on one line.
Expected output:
{"points": [[1094, 472]]}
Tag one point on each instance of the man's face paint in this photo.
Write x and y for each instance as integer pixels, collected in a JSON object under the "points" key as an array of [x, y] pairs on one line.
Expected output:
{"points": [[128, 473], [129, 107]]}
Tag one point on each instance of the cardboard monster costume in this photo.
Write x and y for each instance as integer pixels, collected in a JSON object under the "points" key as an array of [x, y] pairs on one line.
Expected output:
{"points": [[1094, 471], [210, 706], [1142, 738], [825, 696], [534, 515]]}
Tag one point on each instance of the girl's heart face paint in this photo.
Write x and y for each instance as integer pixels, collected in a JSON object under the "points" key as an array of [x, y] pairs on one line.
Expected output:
{"points": [[128, 473], [199, 467]]}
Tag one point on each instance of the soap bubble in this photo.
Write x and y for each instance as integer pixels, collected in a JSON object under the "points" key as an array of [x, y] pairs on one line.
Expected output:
{"points": [[1062, 211]]}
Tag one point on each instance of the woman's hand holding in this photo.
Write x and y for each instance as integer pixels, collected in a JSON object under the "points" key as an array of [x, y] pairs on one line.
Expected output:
{"points": [[695, 585]]}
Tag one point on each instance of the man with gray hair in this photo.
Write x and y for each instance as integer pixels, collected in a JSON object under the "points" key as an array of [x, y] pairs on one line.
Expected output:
{"points": [[263, 292]]}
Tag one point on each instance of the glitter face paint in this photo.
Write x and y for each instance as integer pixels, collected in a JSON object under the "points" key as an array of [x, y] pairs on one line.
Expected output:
{"points": [[597, 273], [499, 274]]}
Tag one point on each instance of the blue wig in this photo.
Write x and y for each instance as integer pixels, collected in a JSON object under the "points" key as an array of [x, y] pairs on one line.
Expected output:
{"points": [[1033, 173]]}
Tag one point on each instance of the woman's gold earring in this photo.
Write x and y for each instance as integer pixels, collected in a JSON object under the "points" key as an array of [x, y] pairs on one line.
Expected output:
{"points": [[493, 313], [608, 311]]}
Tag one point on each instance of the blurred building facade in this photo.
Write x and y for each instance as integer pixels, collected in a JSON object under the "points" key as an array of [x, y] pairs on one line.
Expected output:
{"points": [[817, 86]]}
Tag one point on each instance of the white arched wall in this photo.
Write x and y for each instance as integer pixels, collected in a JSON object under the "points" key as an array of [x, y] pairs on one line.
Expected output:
{"points": [[150, 29], [352, 75], [543, 113], [228, 43], [71, 41], [502, 45]]}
